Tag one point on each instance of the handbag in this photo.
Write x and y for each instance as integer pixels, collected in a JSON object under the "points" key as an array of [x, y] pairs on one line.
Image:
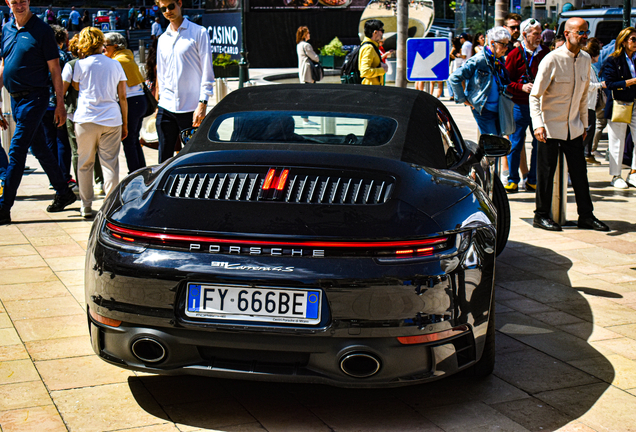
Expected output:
{"points": [[506, 114], [151, 102], [601, 101], [622, 111], [317, 72]]}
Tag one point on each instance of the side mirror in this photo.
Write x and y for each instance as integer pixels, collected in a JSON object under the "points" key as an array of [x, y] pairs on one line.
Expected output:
{"points": [[494, 146], [188, 133]]}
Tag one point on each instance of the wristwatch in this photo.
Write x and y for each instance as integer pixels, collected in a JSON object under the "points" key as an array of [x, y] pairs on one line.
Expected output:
{"points": [[204, 102]]}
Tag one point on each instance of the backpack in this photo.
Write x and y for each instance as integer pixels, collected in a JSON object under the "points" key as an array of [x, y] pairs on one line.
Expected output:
{"points": [[350, 72]]}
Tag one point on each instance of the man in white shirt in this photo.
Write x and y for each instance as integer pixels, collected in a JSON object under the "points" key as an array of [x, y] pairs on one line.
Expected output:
{"points": [[558, 107], [185, 76], [156, 29], [467, 46]]}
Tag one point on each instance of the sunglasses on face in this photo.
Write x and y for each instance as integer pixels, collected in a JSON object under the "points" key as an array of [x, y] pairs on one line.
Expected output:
{"points": [[583, 32], [515, 27], [171, 6], [632, 39]]}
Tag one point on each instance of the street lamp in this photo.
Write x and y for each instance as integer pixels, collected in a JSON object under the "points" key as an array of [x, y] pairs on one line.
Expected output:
{"points": [[244, 73], [627, 13]]}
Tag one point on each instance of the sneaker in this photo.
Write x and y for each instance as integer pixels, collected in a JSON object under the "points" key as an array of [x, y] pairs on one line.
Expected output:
{"points": [[5, 217], [591, 160], [631, 180], [530, 187], [619, 183], [61, 201], [98, 189], [86, 212], [511, 187]]}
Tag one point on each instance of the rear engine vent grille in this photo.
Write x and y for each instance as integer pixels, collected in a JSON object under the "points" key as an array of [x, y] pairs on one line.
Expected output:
{"points": [[297, 188]]}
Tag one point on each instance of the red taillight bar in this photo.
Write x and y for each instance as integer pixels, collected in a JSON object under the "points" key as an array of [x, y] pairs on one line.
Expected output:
{"points": [[282, 179], [433, 337], [269, 178], [179, 237]]}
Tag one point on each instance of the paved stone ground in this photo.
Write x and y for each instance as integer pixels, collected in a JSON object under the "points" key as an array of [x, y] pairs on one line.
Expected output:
{"points": [[566, 341]]}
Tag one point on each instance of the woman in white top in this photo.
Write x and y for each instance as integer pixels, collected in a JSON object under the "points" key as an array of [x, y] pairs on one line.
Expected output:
{"points": [[305, 52], [100, 121], [115, 48], [593, 48]]}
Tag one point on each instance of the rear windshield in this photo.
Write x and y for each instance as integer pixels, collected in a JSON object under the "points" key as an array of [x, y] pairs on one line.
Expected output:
{"points": [[302, 128]]}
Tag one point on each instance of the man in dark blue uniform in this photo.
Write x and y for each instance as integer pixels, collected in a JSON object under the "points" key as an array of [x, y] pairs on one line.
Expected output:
{"points": [[29, 53]]}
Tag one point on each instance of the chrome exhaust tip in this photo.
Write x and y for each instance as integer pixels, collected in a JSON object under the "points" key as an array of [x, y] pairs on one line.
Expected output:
{"points": [[359, 365], [148, 350]]}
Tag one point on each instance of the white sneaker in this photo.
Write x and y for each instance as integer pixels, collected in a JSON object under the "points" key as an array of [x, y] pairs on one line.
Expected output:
{"points": [[86, 212], [619, 183], [98, 189], [631, 180]]}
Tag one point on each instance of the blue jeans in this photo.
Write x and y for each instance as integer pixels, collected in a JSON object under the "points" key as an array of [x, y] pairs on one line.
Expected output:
{"points": [[132, 149], [28, 112], [518, 141], [57, 141], [487, 121]]}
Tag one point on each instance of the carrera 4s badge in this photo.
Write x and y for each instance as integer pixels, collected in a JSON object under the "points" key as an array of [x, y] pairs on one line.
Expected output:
{"points": [[238, 266]]}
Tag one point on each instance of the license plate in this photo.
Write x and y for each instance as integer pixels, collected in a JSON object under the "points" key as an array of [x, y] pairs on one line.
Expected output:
{"points": [[261, 304]]}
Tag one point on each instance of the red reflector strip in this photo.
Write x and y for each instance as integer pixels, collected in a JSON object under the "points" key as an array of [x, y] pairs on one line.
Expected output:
{"points": [[179, 237], [433, 337], [103, 320], [282, 180], [269, 178]]}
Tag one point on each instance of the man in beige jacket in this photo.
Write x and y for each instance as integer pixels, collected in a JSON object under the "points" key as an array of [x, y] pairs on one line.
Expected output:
{"points": [[558, 107]]}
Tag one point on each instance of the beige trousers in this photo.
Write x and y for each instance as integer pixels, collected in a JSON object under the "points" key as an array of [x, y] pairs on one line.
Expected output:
{"points": [[106, 142]]}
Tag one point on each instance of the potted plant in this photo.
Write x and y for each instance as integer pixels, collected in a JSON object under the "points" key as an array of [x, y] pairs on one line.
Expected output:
{"points": [[225, 67], [332, 54]]}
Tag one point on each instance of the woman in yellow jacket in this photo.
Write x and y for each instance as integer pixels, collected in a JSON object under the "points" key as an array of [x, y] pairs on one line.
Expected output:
{"points": [[372, 70]]}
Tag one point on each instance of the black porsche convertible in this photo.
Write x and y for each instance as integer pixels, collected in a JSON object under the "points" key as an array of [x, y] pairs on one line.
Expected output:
{"points": [[344, 235]]}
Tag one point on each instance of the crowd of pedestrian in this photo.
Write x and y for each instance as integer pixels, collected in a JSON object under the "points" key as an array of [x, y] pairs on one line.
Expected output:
{"points": [[557, 93], [76, 102]]}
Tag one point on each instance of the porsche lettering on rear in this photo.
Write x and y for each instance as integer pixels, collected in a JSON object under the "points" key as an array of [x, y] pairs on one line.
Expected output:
{"points": [[254, 250]]}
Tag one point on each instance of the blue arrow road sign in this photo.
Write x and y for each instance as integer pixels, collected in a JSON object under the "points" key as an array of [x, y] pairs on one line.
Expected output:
{"points": [[427, 59]]}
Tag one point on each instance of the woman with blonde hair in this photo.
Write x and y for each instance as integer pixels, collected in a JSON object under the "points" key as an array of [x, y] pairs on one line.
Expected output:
{"points": [[620, 77], [100, 121], [115, 48]]}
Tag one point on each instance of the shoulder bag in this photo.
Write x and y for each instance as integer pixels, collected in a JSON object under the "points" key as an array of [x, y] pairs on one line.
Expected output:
{"points": [[151, 102], [622, 111], [317, 72], [506, 107]]}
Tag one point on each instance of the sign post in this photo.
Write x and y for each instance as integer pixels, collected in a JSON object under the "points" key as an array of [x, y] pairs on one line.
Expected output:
{"points": [[427, 59]]}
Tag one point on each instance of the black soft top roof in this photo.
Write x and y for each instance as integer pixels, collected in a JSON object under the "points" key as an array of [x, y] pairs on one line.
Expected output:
{"points": [[416, 140]]}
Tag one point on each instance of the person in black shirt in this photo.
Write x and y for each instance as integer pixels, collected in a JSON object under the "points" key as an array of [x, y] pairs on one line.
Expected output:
{"points": [[29, 54]]}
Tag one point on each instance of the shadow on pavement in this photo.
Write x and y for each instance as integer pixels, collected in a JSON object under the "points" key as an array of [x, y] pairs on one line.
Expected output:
{"points": [[546, 376]]}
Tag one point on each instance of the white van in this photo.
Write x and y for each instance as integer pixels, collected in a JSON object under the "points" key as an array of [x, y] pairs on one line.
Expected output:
{"points": [[604, 24]]}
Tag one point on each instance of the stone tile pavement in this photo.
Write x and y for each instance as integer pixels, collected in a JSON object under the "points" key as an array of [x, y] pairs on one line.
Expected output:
{"points": [[566, 341]]}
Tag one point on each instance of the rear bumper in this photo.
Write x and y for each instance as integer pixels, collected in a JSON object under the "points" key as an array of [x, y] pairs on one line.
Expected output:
{"points": [[283, 358]]}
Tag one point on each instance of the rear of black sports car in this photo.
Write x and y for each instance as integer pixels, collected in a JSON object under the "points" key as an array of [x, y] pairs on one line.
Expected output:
{"points": [[303, 266]]}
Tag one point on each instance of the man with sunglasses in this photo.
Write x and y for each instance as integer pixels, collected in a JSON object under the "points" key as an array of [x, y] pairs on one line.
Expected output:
{"points": [[558, 107], [522, 64], [185, 77], [512, 23]]}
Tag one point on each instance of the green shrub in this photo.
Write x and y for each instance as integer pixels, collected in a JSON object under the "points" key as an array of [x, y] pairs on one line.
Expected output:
{"points": [[333, 48]]}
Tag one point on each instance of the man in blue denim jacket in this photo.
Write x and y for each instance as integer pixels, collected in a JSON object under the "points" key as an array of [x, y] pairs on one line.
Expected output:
{"points": [[484, 77]]}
